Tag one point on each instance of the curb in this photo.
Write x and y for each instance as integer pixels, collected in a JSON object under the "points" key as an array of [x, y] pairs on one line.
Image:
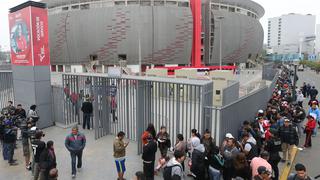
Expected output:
{"points": [[286, 170]]}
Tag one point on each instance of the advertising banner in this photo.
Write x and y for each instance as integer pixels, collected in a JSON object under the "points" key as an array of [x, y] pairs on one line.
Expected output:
{"points": [[29, 37], [41, 55], [20, 37]]}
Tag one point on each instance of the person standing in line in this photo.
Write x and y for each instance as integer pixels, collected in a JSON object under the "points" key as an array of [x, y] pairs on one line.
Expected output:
{"points": [[309, 128], [181, 145], [119, 153], [174, 170], [304, 89], [48, 163], [263, 174], [38, 147], [314, 111], [87, 110], [273, 147], [149, 131], [299, 115], [9, 109], [9, 139], [300, 98], [148, 157], [260, 161], [163, 141], [75, 143], [197, 159], [289, 138]]}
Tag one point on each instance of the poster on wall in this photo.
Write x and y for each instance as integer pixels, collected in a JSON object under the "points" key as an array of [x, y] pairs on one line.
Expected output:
{"points": [[20, 37], [29, 37]]}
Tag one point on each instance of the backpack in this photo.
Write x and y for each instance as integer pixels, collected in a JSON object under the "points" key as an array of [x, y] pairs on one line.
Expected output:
{"points": [[253, 151], [167, 172]]}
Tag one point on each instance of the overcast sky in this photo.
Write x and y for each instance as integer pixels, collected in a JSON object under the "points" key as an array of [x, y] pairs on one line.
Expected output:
{"points": [[273, 8]]}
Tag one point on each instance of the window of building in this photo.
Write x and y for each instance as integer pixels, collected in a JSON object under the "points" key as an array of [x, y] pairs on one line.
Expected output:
{"points": [[145, 3], [215, 7], [249, 13], [238, 10], [232, 9], [252, 15], [183, 4], [65, 8], [53, 68], [171, 3], [132, 2], [84, 6], [218, 92], [60, 68], [75, 7], [117, 3], [224, 7], [159, 2], [122, 57]]}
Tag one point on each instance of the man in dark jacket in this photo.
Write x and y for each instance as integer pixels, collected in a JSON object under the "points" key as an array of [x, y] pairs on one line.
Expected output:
{"points": [[313, 93], [148, 157], [9, 139], [289, 138], [273, 146], [87, 110], [75, 143], [37, 146]]}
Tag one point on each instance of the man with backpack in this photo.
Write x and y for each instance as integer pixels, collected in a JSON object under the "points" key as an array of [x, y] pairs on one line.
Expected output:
{"points": [[174, 170], [250, 149]]}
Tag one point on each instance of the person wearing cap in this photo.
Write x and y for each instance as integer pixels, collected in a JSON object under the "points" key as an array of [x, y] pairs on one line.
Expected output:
{"points": [[289, 138], [75, 144], [260, 161], [148, 157], [87, 109], [309, 128], [315, 112], [273, 147], [229, 153], [263, 174], [300, 174]]}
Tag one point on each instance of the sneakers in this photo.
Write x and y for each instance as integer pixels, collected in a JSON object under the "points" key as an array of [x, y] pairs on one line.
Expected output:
{"points": [[28, 168], [13, 163], [73, 176]]}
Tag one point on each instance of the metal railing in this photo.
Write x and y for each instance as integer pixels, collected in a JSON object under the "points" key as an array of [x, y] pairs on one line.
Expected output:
{"points": [[130, 103], [6, 88]]}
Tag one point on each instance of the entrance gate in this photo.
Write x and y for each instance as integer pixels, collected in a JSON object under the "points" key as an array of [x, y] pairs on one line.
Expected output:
{"points": [[129, 103]]}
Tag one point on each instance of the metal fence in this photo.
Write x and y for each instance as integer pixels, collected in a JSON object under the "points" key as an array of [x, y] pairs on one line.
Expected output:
{"points": [[6, 88], [229, 118], [129, 103]]}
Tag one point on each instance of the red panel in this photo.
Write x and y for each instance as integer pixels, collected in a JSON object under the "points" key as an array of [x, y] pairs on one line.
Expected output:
{"points": [[20, 37], [40, 35], [196, 45]]}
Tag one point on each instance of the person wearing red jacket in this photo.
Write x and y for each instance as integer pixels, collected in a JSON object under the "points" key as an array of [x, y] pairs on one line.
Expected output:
{"points": [[309, 127]]}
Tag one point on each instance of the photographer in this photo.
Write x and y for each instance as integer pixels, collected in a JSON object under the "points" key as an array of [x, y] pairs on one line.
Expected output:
{"points": [[37, 146], [8, 109]]}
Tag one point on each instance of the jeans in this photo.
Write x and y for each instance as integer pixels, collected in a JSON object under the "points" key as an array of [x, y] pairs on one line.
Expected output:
{"points": [[8, 149], [214, 174], [36, 171], [86, 120], [74, 159]]}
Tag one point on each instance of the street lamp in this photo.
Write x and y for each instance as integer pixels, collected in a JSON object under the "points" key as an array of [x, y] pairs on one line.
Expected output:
{"points": [[220, 18]]}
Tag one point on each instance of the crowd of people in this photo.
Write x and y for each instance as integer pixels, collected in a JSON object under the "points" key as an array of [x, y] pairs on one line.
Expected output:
{"points": [[255, 152], [252, 153]]}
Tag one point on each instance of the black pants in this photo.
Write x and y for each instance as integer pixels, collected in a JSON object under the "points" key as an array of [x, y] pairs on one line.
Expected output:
{"points": [[307, 142], [274, 165], [114, 117], [300, 103], [148, 170], [227, 174], [86, 120]]}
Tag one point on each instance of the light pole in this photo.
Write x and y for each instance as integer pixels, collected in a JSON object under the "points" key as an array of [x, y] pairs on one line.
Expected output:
{"points": [[219, 18]]}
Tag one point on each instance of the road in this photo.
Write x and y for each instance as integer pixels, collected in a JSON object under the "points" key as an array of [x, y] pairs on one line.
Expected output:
{"points": [[310, 157]]}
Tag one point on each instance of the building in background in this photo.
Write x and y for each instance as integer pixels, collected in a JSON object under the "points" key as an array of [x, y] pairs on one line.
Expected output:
{"points": [[292, 34], [91, 35], [317, 48]]}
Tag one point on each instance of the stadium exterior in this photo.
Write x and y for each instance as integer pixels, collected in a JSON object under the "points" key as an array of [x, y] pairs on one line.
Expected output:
{"points": [[154, 31]]}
